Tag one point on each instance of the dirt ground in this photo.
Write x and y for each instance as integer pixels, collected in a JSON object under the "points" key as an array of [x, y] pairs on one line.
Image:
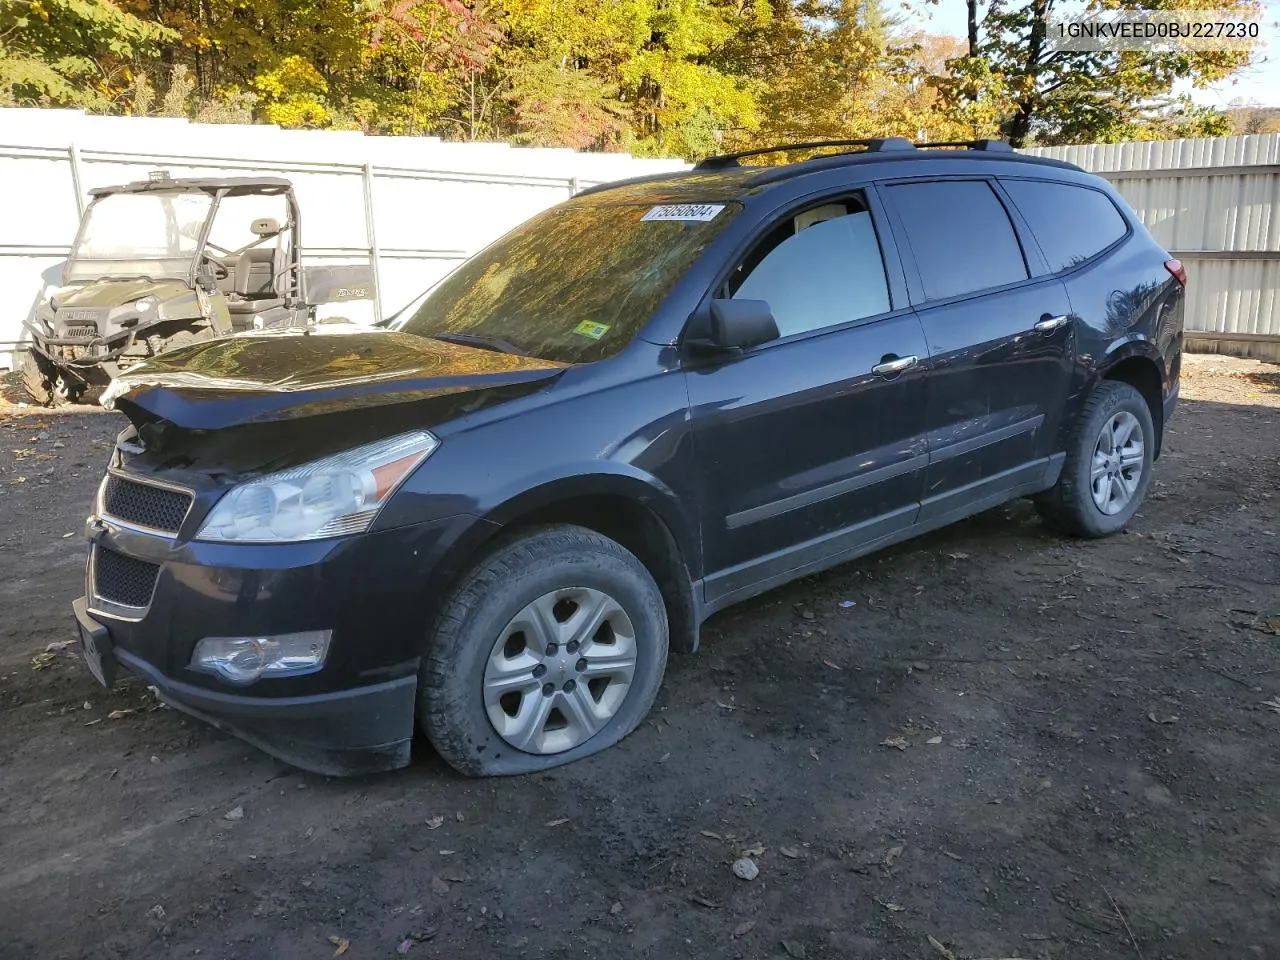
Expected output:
{"points": [[1009, 745]]}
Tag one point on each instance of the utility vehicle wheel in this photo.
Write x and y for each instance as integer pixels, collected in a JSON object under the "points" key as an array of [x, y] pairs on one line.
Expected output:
{"points": [[551, 649], [1108, 465], [42, 383]]}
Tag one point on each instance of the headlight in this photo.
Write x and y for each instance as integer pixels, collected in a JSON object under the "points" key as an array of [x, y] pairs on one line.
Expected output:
{"points": [[144, 304], [332, 497], [245, 659]]}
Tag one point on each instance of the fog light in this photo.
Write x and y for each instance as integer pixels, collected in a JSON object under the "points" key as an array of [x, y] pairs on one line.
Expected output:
{"points": [[246, 659]]}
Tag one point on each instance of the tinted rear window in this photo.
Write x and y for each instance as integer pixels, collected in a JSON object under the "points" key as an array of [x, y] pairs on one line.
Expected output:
{"points": [[961, 236], [1071, 223]]}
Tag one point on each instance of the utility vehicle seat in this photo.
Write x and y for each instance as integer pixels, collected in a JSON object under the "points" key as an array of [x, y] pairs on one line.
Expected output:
{"points": [[257, 272]]}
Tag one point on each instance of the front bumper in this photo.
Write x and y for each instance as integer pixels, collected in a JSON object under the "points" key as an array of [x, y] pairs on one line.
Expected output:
{"points": [[354, 715]]}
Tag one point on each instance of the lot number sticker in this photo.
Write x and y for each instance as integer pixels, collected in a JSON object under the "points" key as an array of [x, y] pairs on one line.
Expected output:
{"points": [[684, 211]]}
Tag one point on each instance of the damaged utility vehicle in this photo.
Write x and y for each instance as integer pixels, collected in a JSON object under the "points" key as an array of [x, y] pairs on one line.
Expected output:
{"points": [[491, 521], [163, 263]]}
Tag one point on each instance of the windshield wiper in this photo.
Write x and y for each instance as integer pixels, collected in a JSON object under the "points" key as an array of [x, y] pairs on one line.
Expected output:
{"points": [[473, 340]]}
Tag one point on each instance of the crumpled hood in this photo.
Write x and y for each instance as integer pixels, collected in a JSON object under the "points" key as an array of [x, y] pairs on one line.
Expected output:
{"points": [[293, 375]]}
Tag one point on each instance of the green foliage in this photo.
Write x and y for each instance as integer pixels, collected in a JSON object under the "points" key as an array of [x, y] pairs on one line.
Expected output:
{"points": [[656, 77], [1043, 96]]}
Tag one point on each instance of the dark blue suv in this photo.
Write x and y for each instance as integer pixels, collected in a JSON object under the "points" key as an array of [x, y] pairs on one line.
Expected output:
{"points": [[493, 519]]}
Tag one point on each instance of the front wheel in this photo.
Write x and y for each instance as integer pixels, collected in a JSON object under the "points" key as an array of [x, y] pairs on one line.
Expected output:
{"points": [[45, 385], [551, 649], [1108, 465]]}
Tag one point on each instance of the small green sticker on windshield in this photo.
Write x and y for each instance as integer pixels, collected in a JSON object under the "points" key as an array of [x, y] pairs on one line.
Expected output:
{"points": [[589, 328]]}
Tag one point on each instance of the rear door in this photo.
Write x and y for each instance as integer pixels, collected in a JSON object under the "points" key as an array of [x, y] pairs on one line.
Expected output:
{"points": [[804, 451], [999, 333]]}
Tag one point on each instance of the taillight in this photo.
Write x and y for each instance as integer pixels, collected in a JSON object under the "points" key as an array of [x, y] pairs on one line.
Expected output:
{"points": [[1179, 272]]}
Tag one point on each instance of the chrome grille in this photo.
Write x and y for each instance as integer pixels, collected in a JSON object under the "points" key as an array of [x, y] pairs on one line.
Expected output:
{"points": [[157, 508], [123, 580], [82, 332]]}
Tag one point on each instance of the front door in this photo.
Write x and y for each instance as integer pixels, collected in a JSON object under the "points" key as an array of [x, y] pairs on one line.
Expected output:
{"points": [[812, 445], [999, 364]]}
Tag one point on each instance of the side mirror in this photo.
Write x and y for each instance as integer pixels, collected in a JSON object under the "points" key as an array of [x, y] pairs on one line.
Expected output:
{"points": [[740, 325]]}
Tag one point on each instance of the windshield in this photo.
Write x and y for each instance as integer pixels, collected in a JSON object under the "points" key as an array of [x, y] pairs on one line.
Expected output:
{"points": [[139, 235], [574, 284]]}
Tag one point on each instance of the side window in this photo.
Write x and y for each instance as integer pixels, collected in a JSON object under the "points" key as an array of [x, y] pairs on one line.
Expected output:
{"points": [[1070, 223], [817, 268], [961, 236]]}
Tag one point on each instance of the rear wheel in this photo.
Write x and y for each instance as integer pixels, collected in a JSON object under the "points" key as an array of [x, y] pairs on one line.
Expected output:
{"points": [[551, 649], [1108, 465]]}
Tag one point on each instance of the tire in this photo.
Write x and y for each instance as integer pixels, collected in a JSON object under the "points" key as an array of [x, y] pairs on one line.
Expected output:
{"points": [[1072, 506], [38, 381], [486, 637]]}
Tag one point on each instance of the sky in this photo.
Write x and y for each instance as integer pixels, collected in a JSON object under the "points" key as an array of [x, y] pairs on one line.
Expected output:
{"points": [[1258, 84]]}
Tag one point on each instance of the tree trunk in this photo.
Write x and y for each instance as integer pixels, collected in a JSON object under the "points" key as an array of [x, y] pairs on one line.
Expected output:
{"points": [[1019, 126], [973, 28]]}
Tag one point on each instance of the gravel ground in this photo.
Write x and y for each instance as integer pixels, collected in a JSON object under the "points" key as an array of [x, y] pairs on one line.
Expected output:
{"points": [[1010, 745]]}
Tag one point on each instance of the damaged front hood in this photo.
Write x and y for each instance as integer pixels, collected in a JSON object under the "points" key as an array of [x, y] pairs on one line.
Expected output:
{"points": [[293, 375]]}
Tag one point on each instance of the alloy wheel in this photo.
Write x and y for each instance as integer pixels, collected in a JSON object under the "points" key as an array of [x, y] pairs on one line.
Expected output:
{"points": [[1117, 464], [560, 670]]}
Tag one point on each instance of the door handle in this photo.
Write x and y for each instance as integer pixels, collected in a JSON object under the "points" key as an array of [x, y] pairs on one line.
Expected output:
{"points": [[1048, 324], [896, 365]]}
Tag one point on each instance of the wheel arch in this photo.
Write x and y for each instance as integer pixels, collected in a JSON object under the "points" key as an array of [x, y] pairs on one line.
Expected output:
{"points": [[1138, 364], [643, 519]]}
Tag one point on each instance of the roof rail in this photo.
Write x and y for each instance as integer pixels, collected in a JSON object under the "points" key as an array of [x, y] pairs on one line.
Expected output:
{"points": [[992, 146], [875, 145]]}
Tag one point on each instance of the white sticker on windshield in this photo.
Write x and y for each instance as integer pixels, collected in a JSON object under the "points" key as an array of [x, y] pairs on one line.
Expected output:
{"points": [[684, 211]]}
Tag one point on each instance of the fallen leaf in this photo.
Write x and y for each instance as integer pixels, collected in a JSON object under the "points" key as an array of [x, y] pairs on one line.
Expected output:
{"points": [[958, 556], [1154, 719], [790, 852], [893, 854], [235, 813], [557, 823], [794, 950], [813, 753], [342, 944], [742, 929], [832, 665], [704, 902], [616, 908], [934, 740], [664, 758], [940, 948], [899, 743], [118, 714], [756, 851], [42, 660], [712, 834], [893, 907], [727, 706], [439, 886], [434, 823], [1274, 704], [58, 646], [459, 817]]}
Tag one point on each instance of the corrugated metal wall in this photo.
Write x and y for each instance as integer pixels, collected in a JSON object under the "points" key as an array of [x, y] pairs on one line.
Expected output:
{"points": [[1215, 204]]}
